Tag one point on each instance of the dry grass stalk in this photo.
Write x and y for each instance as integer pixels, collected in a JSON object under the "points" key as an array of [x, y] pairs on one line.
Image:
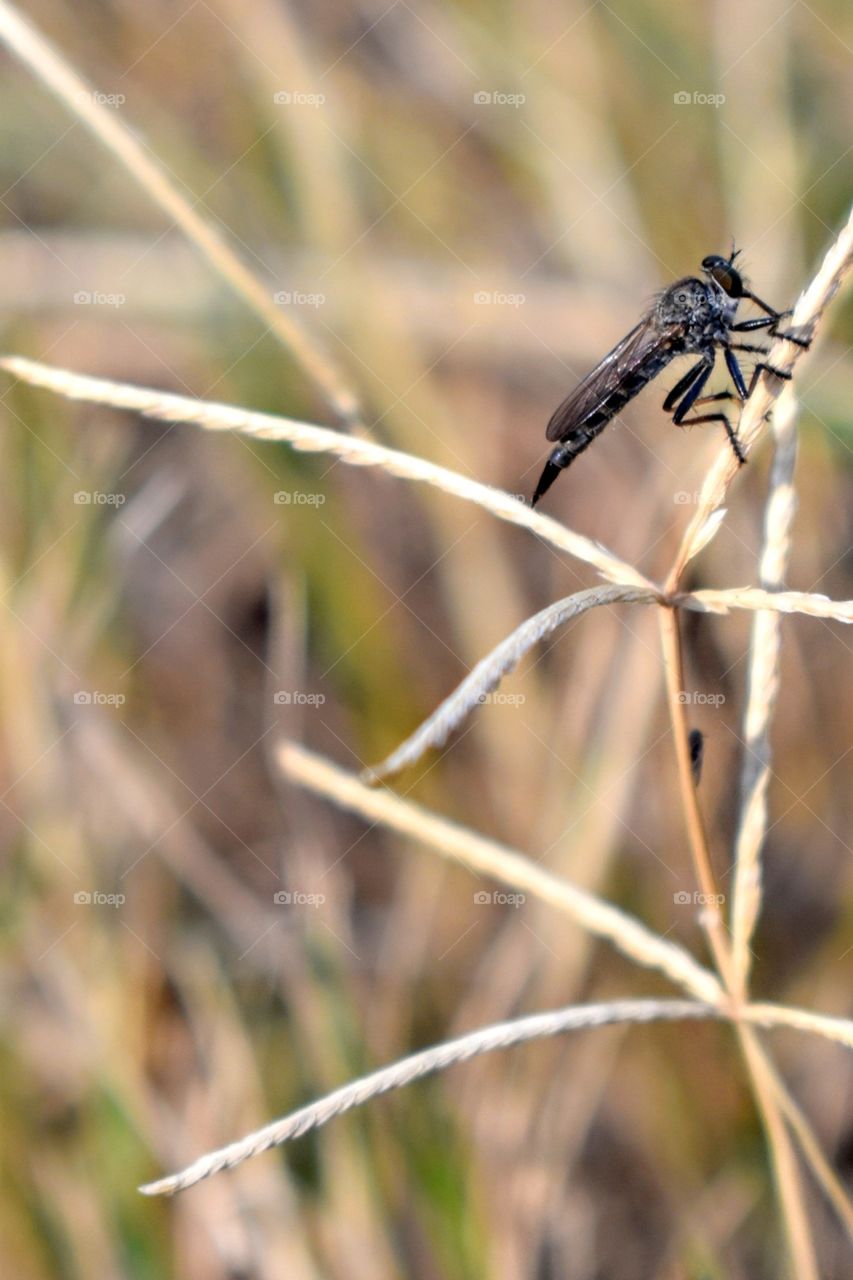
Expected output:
{"points": [[418, 1065], [308, 438], [487, 857], [489, 672], [766, 601], [762, 690], [823, 1172], [753, 818]]}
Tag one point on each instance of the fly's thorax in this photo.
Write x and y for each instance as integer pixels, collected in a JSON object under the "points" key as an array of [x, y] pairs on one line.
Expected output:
{"points": [[688, 302], [728, 308], [701, 311], [721, 313]]}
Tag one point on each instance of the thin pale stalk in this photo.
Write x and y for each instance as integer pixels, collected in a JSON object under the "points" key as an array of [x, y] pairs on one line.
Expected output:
{"points": [[711, 917], [759, 599], [781, 1015], [491, 669], [823, 1172], [305, 436], [501, 1036], [787, 1175], [762, 691], [487, 857]]}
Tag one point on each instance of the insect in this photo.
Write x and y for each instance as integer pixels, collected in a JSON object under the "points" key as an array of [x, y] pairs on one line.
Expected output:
{"points": [[696, 747], [689, 317]]}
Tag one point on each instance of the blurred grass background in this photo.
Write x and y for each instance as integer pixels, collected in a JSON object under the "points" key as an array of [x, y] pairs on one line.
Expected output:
{"points": [[463, 261]]}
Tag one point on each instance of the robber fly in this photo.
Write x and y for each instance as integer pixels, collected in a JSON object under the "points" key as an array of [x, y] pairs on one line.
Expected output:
{"points": [[690, 317]]}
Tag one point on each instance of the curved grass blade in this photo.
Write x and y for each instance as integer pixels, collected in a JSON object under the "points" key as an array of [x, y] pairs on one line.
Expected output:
{"points": [[163, 406], [500, 1036], [489, 672]]}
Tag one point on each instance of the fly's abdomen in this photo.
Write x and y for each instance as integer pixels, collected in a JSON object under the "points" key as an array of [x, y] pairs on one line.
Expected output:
{"points": [[631, 385]]}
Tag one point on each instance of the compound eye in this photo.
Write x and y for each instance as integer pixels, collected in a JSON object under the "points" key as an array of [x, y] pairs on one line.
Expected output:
{"points": [[730, 281], [682, 297]]}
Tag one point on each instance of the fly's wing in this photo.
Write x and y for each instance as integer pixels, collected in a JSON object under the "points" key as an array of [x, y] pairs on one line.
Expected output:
{"points": [[644, 340]]}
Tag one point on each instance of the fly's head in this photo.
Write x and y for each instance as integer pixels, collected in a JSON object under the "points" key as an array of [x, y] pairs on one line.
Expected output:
{"points": [[722, 272], [726, 284]]}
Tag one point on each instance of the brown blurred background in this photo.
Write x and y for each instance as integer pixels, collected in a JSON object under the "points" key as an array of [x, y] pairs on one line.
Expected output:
{"points": [[465, 205]]}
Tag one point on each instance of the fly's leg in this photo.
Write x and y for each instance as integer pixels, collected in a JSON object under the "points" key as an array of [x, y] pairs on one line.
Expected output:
{"points": [[770, 323], [737, 447], [735, 373], [790, 336], [749, 326], [761, 367], [696, 380], [734, 369], [749, 346], [684, 384], [693, 398], [765, 306]]}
